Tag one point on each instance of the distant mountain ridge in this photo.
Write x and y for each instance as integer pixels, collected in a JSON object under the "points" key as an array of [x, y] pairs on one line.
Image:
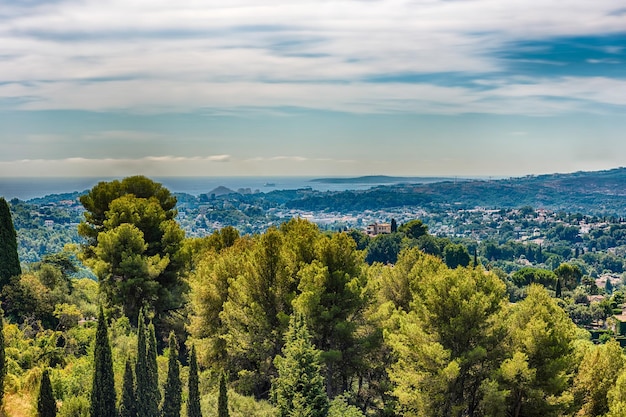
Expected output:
{"points": [[584, 191], [380, 179]]}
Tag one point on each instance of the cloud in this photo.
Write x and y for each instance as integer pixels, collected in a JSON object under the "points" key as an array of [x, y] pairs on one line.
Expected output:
{"points": [[161, 56], [164, 166]]}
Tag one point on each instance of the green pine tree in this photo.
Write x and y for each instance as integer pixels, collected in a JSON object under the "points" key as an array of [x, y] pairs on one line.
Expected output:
{"points": [[558, 290], [222, 399], [9, 260], [153, 392], [193, 397], [128, 407], [46, 404], [299, 388], [103, 388], [173, 386]]}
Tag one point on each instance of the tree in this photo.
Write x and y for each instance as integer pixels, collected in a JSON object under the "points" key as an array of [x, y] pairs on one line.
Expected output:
{"points": [[394, 226], [299, 388], [128, 407], [257, 310], [384, 249], [146, 404], [222, 399], [456, 255], [153, 392], [558, 290], [3, 363], [449, 342], [103, 388], [541, 336], [597, 374], [193, 395], [134, 244], [413, 229], [331, 298], [9, 260], [570, 274], [46, 404], [173, 387]]}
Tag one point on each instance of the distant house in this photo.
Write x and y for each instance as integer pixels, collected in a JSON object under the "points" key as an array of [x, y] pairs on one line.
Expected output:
{"points": [[378, 229], [49, 223]]}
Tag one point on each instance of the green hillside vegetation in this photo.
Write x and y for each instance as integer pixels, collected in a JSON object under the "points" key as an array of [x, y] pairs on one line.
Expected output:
{"points": [[300, 321]]}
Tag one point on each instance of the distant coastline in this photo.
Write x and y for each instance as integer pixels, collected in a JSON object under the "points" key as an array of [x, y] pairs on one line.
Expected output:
{"points": [[382, 179]]}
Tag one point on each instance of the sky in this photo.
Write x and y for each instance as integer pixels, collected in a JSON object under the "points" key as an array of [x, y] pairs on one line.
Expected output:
{"points": [[103, 88]]}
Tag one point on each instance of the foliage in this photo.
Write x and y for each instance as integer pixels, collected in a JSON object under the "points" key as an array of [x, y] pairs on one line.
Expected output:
{"points": [[339, 407], [173, 386], [299, 388], [449, 342], [103, 397], [128, 405], [46, 404], [134, 245], [222, 398], [9, 260], [414, 229], [193, 393]]}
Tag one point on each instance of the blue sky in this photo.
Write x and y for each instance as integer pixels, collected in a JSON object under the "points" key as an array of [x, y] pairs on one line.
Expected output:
{"points": [[272, 87]]}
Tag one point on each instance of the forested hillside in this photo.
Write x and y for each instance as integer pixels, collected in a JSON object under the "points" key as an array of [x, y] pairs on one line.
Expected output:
{"points": [[298, 321]]}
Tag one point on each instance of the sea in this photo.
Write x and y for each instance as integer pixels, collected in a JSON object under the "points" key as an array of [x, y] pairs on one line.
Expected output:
{"points": [[24, 188]]}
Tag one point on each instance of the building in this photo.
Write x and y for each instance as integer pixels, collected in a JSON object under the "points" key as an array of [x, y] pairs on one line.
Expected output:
{"points": [[378, 229]]}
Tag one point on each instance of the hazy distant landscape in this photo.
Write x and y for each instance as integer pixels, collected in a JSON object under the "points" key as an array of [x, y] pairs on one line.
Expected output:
{"points": [[342, 208]]}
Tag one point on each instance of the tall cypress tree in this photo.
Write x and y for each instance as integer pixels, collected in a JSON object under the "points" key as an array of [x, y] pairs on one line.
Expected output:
{"points": [[3, 364], [46, 404], [9, 260], [128, 407], [173, 387], [141, 368], [103, 388], [222, 399], [193, 397], [153, 392]]}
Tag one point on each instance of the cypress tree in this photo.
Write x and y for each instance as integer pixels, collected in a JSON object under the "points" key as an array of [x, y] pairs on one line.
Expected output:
{"points": [[193, 397], [222, 399], [153, 392], [299, 388], [128, 407], [9, 260], [3, 364], [558, 290], [103, 388], [173, 386], [46, 404], [141, 368]]}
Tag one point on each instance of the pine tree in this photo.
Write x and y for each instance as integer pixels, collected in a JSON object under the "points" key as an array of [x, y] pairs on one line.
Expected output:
{"points": [[46, 404], [154, 394], [299, 388], [9, 260], [128, 407], [193, 397], [558, 289], [222, 399], [173, 386], [141, 368], [103, 388], [394, 226]]}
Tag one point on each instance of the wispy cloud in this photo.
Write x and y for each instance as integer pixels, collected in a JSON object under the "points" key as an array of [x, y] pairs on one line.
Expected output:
{"points": [[160, 56]]}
